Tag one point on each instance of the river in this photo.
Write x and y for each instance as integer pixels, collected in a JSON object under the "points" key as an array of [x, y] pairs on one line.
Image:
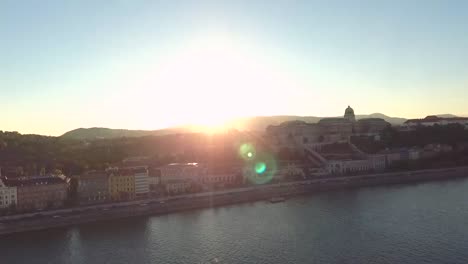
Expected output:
{"points": [[417, 223]]}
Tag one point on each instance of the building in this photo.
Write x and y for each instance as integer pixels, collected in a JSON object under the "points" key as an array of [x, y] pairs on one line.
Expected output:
{"points": [[414, 154], [129, 183], [180, 177], [349, 114], [132, 162], [92, 187], [336, 129], [290, 169], [293, 134], [141, 177], [37, 193], [289, 134], [412, 124], [154, 176], [141, 182], [393, 156], [354, 166], [11, 172], [8, 196], [370, 126], [122, 185], [439, 148], [221, 176], [154, 181]]}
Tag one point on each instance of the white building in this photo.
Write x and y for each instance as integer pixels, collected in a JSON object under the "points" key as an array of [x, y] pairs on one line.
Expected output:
{"points": [[8, 195], [182, 171], [434, 120], [141, 182], [179, 177], [372, 163], [219, 178], [174, 187], [288, 170]]}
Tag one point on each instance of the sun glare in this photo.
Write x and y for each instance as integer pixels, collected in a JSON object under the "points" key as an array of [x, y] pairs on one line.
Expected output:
{"points": [[213, 79]]}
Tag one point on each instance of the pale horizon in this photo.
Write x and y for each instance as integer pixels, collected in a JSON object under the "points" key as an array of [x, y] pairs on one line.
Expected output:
{"points": [[210, 128]]}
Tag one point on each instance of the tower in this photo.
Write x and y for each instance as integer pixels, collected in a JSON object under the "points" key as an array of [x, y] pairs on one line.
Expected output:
{"points": [[349, 114]]}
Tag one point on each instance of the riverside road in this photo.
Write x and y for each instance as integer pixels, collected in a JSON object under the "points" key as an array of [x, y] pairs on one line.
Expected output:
{"points": [[78, 215]]}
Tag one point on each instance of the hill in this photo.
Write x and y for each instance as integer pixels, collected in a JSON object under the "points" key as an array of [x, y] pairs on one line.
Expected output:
{"points": [[392, 120], [258, 123], [101, 132], [447, 116]]}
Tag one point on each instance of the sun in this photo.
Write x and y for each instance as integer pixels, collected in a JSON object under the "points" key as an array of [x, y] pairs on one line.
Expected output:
{"points": [[213, 124], [212, 79]]}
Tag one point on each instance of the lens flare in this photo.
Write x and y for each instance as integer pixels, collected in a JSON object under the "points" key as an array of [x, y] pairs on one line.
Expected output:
{"points": [[247, 151], [260, 167]]}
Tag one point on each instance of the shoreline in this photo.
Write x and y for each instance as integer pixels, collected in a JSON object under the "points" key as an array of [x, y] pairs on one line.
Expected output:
{"points": [[83, 215]]}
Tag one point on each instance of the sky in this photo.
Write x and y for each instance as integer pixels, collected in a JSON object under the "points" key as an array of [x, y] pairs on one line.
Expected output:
{"points": [[155, 64]]}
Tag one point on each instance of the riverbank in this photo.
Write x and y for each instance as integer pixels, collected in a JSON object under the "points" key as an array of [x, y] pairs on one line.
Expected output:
{"points": [[69, 217]]}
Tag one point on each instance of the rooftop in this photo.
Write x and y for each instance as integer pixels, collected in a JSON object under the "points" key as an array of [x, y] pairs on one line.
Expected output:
{"points": [[140, 170], [333, 119], [92, 174], [30, 181], [432, 118], [293, 122], [372, 119], [190, 164], [184, 164]]}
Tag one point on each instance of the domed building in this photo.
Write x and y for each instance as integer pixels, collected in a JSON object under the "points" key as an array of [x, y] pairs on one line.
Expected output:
{"points": [[349, 114], [335, 129], [370, 126], [327, 130]]}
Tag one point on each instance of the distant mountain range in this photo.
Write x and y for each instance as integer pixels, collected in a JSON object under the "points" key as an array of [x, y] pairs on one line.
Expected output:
{"points": [[258, 123], [102, 133]]}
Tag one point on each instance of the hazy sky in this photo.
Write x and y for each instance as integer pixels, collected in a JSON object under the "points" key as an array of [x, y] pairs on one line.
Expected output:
{"points": [[152, 64]]}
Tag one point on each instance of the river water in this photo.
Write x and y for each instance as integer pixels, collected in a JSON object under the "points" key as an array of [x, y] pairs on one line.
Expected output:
{"points": [[419, 223]]}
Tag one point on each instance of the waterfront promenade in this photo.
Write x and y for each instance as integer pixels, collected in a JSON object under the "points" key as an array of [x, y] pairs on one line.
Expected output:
{"points": [[79, 215]]}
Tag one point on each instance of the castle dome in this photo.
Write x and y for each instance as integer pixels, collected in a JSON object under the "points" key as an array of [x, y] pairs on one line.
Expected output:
{"points": [[349, 114]]}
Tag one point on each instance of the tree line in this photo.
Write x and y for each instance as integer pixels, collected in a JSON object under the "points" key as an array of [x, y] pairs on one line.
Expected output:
{"points": [[35, 154]]}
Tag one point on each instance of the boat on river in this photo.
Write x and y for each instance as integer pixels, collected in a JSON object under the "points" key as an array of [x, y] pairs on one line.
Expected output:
{"points": [[277, 199]]}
